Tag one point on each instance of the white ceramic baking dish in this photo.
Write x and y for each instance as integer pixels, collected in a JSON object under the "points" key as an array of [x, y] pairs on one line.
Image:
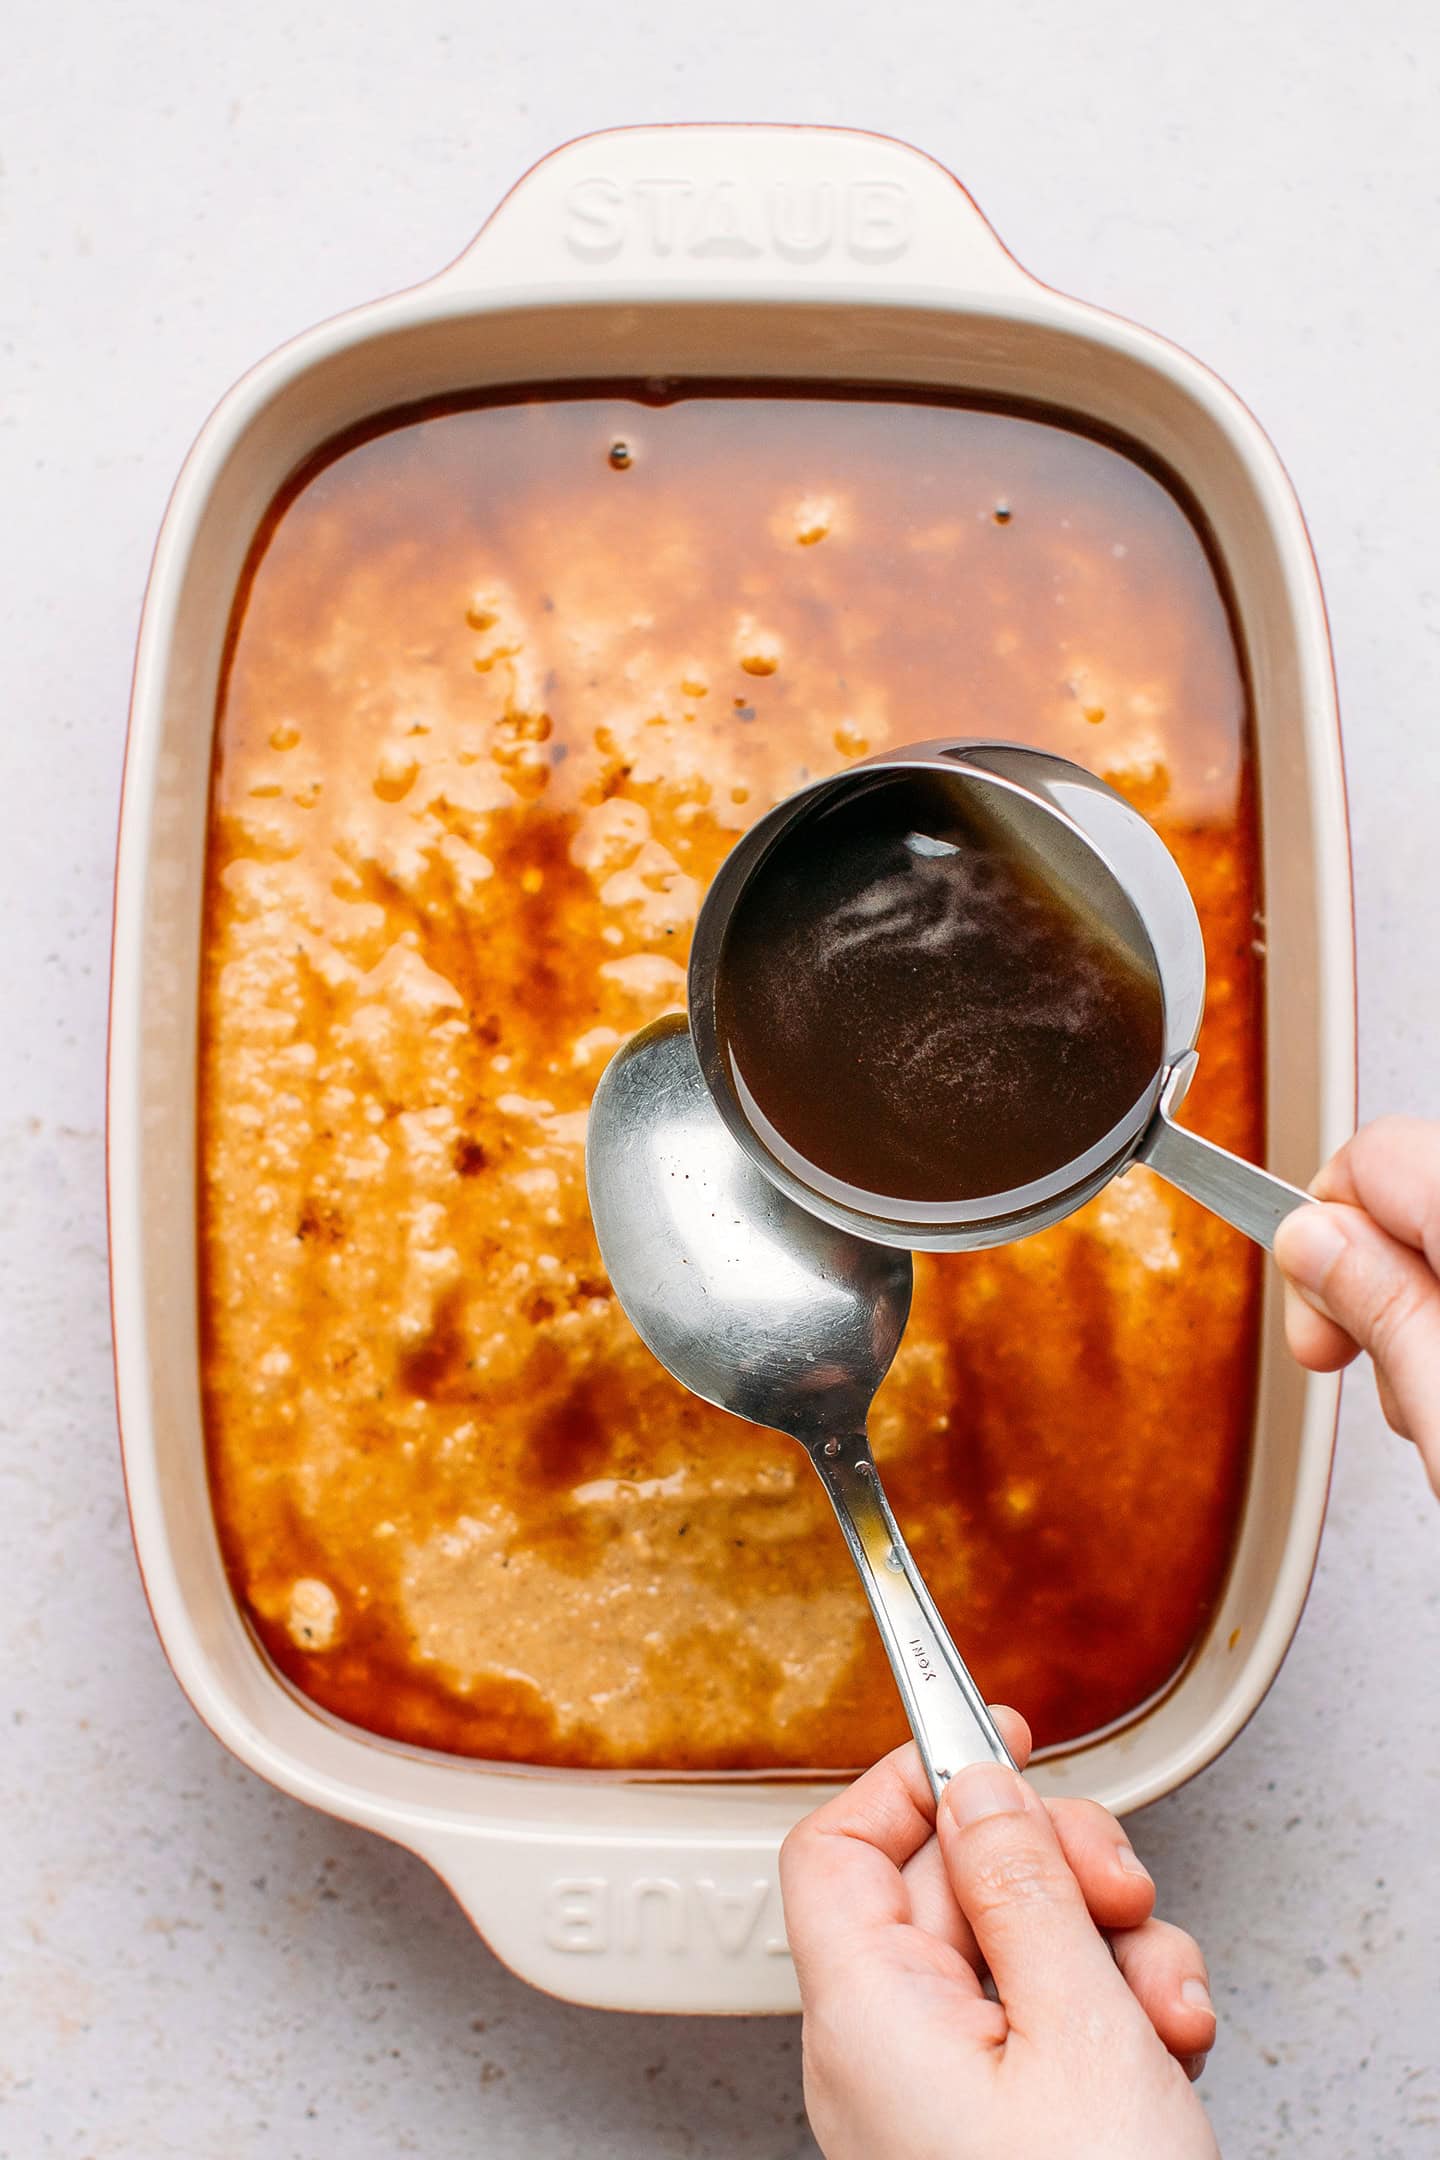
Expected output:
{"points": [[742, 251]]}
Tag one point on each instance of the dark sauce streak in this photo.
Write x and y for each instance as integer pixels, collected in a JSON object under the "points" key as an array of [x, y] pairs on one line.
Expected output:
{"points": [[469, 1157], [570, 1438], [434, 1369]]}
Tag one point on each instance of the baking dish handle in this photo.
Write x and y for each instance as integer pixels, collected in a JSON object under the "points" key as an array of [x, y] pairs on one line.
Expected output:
{"points": [[713, 212], [626, 1921]]}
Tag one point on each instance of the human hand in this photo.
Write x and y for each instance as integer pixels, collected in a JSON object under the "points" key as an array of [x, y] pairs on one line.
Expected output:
{"points": [[1363, 1272], [1085, 2054]]}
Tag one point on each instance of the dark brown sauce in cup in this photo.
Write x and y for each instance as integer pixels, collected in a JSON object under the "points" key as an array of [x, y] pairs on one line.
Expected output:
{"points": [[911, 1010]]}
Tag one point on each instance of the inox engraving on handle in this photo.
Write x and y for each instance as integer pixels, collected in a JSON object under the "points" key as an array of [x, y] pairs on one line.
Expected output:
{"points": [[953, 1726]]}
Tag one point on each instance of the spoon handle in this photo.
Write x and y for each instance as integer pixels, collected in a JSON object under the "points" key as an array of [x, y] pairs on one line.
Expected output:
{"points": [[946, 1710]]}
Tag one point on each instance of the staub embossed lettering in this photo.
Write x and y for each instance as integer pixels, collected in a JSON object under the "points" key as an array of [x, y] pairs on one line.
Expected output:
{"points": [[589, 1915], [801, 221]]}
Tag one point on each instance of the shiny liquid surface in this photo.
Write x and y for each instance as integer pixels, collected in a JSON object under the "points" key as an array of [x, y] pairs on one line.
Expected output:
{"points": [[498, 708], [916, 1012]]}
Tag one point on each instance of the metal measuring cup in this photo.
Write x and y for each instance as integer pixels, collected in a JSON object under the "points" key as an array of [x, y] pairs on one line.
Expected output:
{"points": [[1102, 857]]}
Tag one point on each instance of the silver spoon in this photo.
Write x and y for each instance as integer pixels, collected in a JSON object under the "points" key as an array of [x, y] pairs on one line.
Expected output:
{"points": [[756, 1305]]}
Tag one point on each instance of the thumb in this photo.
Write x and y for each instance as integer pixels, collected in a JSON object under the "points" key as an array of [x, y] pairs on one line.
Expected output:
{"points": [[1013, 1884], [1382, 1293]]}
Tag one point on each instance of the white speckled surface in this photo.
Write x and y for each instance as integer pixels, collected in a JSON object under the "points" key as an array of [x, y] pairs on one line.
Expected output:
{"points": [[191, 1965]]}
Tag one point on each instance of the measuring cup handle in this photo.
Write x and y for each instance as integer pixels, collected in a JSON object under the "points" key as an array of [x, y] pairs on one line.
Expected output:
{"points": [[1250, 1199], [948, 1714]]}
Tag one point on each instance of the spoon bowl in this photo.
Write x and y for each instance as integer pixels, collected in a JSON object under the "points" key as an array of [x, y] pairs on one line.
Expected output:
{"points": [[759, 1307], [749, 1300]]}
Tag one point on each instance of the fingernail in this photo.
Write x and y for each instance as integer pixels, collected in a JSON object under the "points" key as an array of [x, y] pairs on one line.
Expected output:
{"points": [[1192, 2065], [1131, 1863], [986, 1789], [1312, 1245], [1196, 1996]]}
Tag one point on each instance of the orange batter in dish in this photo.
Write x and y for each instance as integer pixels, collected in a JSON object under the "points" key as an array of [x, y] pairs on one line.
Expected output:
{"points": [[506, 681]]}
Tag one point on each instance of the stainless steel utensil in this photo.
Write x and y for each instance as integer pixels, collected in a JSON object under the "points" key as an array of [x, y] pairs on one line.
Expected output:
{"points": [[1116, 871], [758, 1306]]}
